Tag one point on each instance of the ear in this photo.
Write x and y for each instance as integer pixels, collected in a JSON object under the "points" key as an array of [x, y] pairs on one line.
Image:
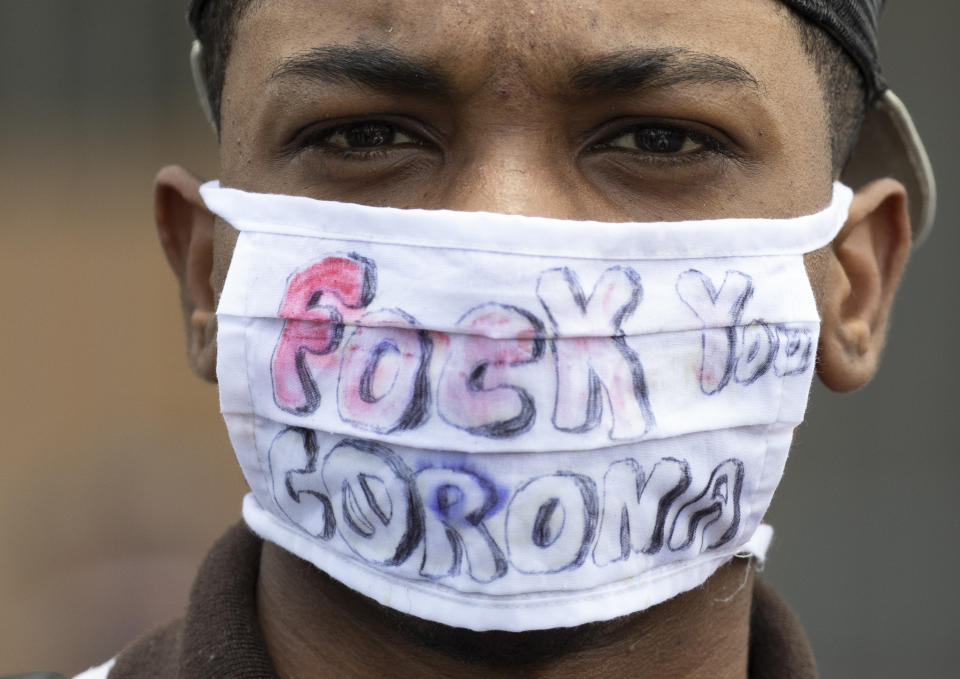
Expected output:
{"points": [[863, 272], [185, 227]]}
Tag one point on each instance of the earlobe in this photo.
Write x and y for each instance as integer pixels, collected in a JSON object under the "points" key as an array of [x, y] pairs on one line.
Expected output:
{"points": [[185, 227], [864, 270]]}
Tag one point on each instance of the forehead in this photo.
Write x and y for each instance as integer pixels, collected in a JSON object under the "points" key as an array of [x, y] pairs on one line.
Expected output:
{"points": [[509, 91], [530, 40]]}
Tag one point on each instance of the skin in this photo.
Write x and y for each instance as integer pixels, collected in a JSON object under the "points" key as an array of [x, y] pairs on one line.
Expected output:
{"points": [[513, 134]]}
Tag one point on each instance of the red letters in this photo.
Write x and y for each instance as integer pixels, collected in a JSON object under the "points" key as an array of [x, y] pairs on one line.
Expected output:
{"points": [[314, 305]]}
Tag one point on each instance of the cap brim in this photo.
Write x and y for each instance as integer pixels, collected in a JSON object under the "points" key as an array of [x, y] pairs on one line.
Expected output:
{"points": [[889, 146]]}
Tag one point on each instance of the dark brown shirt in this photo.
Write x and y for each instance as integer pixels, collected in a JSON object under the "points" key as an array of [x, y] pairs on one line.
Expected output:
{"points": [[220, 635]]}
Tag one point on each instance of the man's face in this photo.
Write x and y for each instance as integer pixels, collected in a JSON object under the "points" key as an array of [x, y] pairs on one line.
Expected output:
{"points": [[623, 110]]}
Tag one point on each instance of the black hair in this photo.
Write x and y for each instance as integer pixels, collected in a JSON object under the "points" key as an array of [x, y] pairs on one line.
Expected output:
{"points": [[216, 28], [843, 87], [841, 82]]}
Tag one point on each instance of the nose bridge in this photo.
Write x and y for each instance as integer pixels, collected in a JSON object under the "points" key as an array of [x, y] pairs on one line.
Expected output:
{"points": [[516, 171], [511, 151]]}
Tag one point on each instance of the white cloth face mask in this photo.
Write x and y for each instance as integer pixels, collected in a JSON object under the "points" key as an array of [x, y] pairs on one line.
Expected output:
{"points": [[505, 422]]}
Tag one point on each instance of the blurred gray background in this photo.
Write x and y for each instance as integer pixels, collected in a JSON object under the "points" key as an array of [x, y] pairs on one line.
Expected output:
{"points": [[117, 474]]}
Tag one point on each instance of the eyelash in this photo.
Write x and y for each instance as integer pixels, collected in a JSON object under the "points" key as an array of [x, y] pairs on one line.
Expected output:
{"points": [[707, 142], [319, 138]]}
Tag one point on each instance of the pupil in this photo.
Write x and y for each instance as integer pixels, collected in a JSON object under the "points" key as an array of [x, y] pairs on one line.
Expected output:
{"points": [[659, 140], [369, 134]]}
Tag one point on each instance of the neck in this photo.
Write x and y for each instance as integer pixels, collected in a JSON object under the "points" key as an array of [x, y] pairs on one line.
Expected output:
{"points": [[311, 622]]}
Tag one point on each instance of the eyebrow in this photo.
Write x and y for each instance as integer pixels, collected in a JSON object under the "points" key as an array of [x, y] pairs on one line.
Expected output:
{"points": [[387, 69], [637, 69], [376, 67]]}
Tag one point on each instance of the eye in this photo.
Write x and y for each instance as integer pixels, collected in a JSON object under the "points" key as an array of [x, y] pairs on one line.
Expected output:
{"points": [[660, 140], [362, 136]]}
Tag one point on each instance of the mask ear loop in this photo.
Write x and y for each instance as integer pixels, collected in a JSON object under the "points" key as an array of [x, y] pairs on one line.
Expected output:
{"points": [[200, 84]]}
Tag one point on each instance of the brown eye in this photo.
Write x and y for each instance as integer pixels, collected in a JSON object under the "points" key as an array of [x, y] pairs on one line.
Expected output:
{"points": [[656, 140], [367, 135], [660, 140]]}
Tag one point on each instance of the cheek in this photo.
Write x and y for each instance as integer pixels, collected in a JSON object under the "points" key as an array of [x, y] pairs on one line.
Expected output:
{"points": [[224, 241]]}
